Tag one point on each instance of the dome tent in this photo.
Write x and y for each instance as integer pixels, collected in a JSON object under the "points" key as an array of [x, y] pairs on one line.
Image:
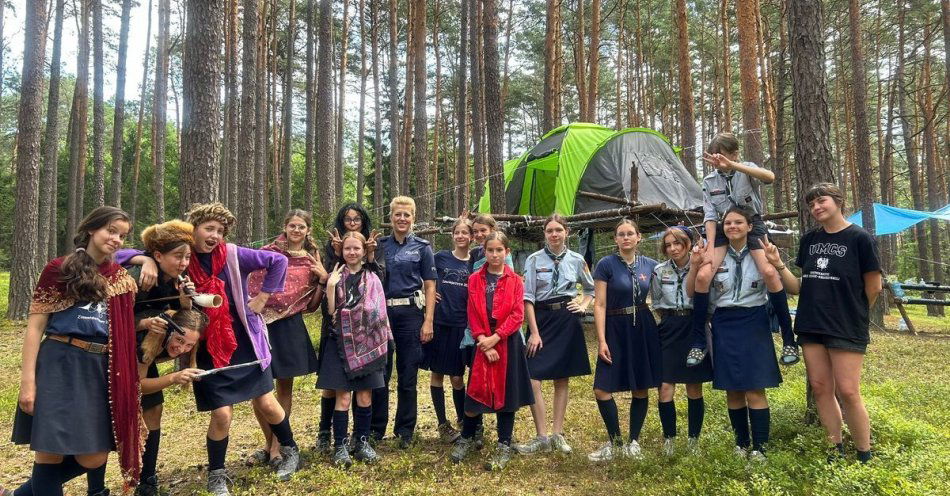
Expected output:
{"points": [[588, 157]]}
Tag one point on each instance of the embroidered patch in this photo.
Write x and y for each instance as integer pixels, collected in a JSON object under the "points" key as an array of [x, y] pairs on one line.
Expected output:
{"points": [[717, 192]]}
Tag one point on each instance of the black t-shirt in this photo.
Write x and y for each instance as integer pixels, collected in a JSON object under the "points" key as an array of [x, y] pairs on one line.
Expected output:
{"points": [[833, 301], [491, 281]]}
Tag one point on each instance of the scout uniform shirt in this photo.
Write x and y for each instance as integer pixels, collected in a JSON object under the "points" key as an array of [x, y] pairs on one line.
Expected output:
{"points": [[723, 191], [737, 282], [539, 283], [668, 287]]}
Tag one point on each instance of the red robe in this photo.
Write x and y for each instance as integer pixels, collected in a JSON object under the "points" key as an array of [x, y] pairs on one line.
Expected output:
{"points": [[487, 382]]}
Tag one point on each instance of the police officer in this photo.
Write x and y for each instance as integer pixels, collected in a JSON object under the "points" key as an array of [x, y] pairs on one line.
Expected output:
{"points": [[409, 284]]}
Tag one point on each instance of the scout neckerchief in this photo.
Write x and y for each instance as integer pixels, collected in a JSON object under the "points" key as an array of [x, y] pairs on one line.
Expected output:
{"points": [[728, 178], [556, 259], [737, 276], [632, 268], [680, 277]]}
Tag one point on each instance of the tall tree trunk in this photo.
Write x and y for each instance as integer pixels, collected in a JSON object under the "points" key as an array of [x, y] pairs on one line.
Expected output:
{"points": [[888, 254], [48, 225], [361, 131], [24, 269], [433, 178], [862, 132], [229, 134], [493, 111], [477, 86], [593, 59], [580, 62], [98, 107], [288, 111], [340, 117], [311, 104], [324, 154], [768, 103], [749, 82], [935, 195], [420, 134], [809, 100], [393, 83], [687, 118], [260, 193], [202, 119], [248, 142], [77, 130], [160, 94], [782, 172], [619, 67], [461, 111], [377, 114], [726, 69], [405, 143], [118, 121], [945, 21], [137, 161]]}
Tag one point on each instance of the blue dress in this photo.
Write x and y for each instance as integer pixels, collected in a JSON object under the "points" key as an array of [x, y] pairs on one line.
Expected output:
{"points": [[633, 340]]}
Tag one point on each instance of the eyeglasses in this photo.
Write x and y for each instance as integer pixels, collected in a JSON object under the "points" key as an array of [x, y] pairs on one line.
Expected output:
{"points": [[352, 220]]}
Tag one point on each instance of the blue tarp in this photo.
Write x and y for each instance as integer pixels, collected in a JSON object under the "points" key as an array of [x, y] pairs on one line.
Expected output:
{"points": [[890, 220]]}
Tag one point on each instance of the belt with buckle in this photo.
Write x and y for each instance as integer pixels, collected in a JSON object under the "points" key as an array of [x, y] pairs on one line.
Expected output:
{"points": [[97, 348], [669, 312], [552, 306], [400, 302], [626, 310]]}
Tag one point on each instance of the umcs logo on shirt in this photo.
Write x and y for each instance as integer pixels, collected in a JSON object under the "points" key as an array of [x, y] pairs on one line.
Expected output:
{"points": [[827, 249], [822, 263]]}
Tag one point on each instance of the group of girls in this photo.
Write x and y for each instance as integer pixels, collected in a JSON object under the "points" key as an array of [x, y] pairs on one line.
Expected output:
{"points": [[102, 318]]}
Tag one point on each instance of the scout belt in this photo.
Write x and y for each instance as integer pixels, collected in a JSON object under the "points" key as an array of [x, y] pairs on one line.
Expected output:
{"points": [[669, 312], [97, 348], [553, 306], [631, 310]]}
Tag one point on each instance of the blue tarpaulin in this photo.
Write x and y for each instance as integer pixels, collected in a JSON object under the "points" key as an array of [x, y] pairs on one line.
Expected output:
{"points": [[890, 220]]}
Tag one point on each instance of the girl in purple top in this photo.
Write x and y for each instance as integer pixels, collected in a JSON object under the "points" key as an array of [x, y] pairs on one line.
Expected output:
{"points": [[236, 334]]}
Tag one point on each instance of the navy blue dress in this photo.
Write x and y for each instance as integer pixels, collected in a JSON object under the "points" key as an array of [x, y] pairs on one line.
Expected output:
{"points": [[633, 340], [443, 354]]}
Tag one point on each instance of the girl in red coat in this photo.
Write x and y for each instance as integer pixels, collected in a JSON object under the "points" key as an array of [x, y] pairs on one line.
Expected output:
{"points": [[498, 382]]}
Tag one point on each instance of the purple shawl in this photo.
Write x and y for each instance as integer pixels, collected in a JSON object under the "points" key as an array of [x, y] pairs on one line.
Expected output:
{"points": [[363, 331]]}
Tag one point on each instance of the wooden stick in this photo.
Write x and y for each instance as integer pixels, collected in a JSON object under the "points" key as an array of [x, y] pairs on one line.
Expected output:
{"points": [[608, 198]]}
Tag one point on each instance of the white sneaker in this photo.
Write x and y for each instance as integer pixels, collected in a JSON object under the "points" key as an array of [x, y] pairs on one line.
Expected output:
{"points": [[604, 454], [668, 446], [537, 445], [757, 456], [692, 444], [741, 452], [558, 443], [633, 450]]}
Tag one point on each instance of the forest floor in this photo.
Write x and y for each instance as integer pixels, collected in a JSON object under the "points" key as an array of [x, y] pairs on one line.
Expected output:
{"points": [[906, 386]]}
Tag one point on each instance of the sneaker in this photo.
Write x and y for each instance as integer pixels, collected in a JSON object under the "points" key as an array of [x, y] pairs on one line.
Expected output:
{"points": [[668, 446], [790, 355], [537, 445], [447, 433], [558, 443], [364, 452], [604, 454], [463, 447], [341, 457], [500, 459], [258, 457], [741, 452], [218, 481], [756, 456], [692, 444], [289, 463], [323, 443], [404, 443], [633, 450]]}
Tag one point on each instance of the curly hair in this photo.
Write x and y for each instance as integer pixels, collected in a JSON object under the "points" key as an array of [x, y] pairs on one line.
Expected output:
{"points": [[201, 213], [167, 236]]}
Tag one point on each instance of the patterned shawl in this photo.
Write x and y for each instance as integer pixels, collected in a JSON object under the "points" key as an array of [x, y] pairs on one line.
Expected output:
{"points": [[127, 425], [299, 286], [362, 329]]}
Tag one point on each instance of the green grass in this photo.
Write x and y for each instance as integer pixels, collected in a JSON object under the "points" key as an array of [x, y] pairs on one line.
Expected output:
{"points": [[906, 387]]}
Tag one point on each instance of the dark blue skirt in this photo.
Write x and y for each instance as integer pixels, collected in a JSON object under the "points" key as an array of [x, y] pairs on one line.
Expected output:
{"points": [[333, 376], [442, 354], [71, 413], [676, 339], [635, 352], [291, 349], [743, 351], [563, 350], [233, 386], [518, 392]]}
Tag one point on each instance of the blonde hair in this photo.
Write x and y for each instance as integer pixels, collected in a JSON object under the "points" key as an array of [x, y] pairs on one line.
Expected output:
{"points": [[201, 213], [679, 236], [403, 201]]}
